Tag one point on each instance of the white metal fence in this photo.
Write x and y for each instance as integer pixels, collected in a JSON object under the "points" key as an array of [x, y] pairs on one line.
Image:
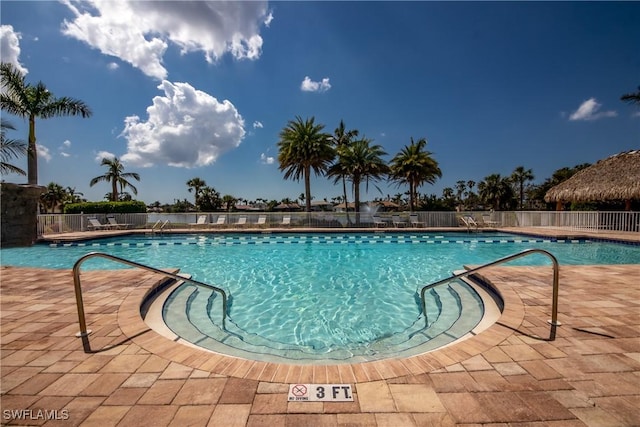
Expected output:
{"points": [[586, 221]]}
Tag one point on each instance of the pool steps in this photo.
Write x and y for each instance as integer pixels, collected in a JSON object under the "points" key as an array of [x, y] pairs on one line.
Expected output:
{"points": [[195, 315]]}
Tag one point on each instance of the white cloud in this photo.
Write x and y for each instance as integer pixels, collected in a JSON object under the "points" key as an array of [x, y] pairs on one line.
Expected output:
{"points": [[257, 124], [103, 155], [43, 152], [309, 85], [139, 32], [266, 160], [113, 66], [590, 110], [185, 128], [636, 114], [10, 47], [65, 145]]}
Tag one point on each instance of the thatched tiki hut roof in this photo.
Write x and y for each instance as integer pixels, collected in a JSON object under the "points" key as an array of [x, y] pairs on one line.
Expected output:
{"points": [[614, 178]]}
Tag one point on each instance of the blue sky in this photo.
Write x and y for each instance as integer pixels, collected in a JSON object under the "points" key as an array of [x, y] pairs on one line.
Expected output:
{"points": [[182, 90]]}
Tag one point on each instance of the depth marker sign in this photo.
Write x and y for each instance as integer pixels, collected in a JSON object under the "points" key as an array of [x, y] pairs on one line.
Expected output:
{"points": [[320, 393]]}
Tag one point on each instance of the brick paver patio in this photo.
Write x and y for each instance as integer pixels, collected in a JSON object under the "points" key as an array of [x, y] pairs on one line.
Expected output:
{"points": [[507, 375]]}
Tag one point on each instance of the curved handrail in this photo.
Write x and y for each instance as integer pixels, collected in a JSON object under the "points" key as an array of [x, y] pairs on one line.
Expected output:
{"points": [[554, 303], [78, 288]]}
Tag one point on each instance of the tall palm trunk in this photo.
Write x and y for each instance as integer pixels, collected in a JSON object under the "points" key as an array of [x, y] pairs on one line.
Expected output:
{"points": [[32, 158], [346, 204], [307, 188], [356, 198]]}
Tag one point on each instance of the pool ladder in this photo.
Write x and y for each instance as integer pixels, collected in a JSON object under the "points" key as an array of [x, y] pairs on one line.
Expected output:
{"points": [[554, 302], [84, 333]]}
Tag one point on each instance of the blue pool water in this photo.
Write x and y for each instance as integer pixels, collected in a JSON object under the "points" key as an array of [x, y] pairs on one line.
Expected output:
{"points": [[199, 254], [321, 292]]}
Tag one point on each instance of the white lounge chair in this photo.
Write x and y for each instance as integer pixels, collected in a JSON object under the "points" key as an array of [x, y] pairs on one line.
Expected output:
{"points": [[413, 219], [242, 221], [202, 221], [115, 224], [378, 222], [397, 222], [94, 224], [488, 222], [468, 222], [286, 220], [222, 219], [262, 220]]}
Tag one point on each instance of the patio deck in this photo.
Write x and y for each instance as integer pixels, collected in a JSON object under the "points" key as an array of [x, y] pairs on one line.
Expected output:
{"points": [[507, 375]]}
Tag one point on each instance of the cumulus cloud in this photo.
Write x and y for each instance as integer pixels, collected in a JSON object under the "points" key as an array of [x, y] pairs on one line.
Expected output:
{"points": [[185, 128], [10, 47], [112, 66], [43, 152], [139, 32], [62, 149], [309, 85], [257, 124], [103, 155], [266, 160], [590, 110]]}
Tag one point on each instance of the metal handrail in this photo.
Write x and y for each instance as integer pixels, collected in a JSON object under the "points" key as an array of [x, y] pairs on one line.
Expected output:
{"points": [[554, 303], [84, 333]]}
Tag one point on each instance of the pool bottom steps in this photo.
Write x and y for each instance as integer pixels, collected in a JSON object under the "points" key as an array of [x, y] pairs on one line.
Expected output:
{"points": [[195, 315]]}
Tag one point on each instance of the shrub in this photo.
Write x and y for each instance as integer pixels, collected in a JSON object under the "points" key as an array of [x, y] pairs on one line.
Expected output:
{"points": [[106, 207]]}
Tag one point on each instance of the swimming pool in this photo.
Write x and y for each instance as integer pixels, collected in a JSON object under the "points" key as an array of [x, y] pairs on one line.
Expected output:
{"points": [[306, 297]]}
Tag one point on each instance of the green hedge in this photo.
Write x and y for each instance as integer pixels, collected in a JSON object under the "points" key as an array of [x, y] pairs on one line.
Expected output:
{"points": [[106, 207]]}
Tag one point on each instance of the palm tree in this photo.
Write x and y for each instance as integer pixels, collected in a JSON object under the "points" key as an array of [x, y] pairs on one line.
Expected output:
{"points": [[341, 139], [304, 147], [52, 197], [196, 184], [116, 176], [209, 199], [519, 176], [228, 201], [495, 190], [632, 98], [72, 196], [359, 162], [414, 166], [28, 101], [9, 149]]}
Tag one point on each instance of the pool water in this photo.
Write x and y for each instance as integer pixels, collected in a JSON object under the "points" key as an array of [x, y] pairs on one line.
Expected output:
{"points": [[329, 296]]}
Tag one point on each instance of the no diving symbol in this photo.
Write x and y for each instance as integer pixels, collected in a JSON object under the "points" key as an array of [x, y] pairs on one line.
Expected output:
{"points": [[299, 390]]}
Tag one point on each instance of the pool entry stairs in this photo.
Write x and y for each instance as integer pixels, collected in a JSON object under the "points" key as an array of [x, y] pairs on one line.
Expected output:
{"points": [[202, 315], [194, 314]]}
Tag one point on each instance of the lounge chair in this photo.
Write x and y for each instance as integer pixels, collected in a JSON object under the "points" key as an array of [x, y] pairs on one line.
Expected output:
{"points": [[413, 219], [468, 221], [241, 222], [94, 224], [202, 221], [378, 222], [116, 224], [262, 220], [286, 220], [222, 219], [488, 222], [397, 222]]}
